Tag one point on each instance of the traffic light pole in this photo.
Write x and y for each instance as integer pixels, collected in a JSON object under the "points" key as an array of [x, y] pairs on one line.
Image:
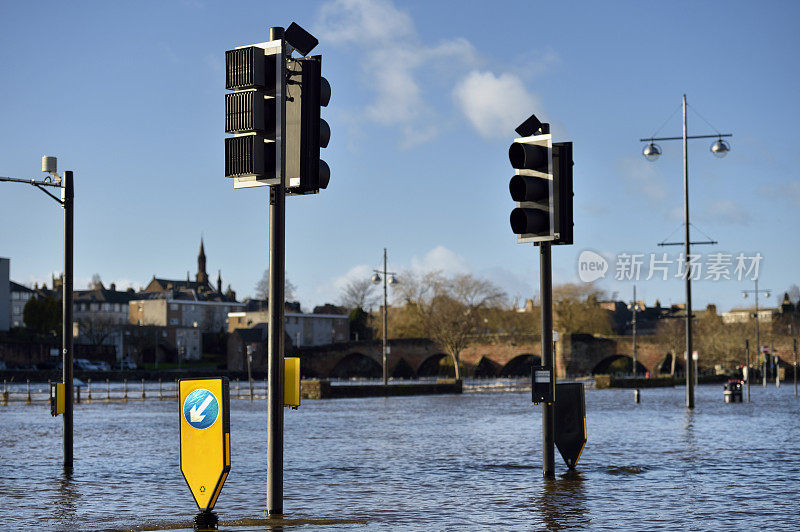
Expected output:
{"points": [[548, 359], [277, 246], [68, 203]]}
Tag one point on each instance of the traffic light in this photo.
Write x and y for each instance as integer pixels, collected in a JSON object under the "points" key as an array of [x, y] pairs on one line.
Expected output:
{"points": [[306, 132], [252, 155], [542, 185]]}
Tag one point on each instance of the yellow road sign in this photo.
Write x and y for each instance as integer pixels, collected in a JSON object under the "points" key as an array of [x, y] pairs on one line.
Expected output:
{"points": [[205, 437]]}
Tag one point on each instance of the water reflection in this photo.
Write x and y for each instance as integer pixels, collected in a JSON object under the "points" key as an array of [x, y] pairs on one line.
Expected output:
{"points": [[562, 501], [67, 499]]}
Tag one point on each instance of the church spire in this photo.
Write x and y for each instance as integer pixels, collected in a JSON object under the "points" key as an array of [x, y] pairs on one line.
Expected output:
{"points": [[202, 276]]}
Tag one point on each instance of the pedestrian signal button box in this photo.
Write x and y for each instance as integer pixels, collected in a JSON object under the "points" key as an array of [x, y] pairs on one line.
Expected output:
{"points": [[291, 382], [57, 398], [205, 441], [542, 384]]}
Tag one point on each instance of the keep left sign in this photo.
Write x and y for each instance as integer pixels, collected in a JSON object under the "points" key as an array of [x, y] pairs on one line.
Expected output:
{"points": [[205, 445]]}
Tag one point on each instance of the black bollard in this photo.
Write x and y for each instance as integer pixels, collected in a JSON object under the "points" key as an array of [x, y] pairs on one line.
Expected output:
{"points": [[637, 396], [89, 390], [142, 389], [108, 390], [205, 521], [125, 390], [160, 395], [78, 395], [28, 401]]}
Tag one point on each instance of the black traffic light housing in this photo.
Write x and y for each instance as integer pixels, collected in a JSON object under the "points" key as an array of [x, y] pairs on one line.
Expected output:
{"points": [[253, 73], [541, 186], [306, 132]]}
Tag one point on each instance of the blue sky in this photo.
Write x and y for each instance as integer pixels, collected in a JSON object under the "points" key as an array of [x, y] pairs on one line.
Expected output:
{"points": [[425, 100]]}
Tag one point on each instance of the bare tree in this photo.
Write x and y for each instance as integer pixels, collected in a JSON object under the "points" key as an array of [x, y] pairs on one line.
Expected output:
{"points": [[451, 310], [96, 283], [359, 293], [262, 288], [577, 309], [96, 329]]}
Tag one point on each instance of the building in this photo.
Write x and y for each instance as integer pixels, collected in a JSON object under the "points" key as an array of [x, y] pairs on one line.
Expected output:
{"points": [[100, 316], [187, 304], [302, 329], [20, 295], [5, 295], [743, 315]]}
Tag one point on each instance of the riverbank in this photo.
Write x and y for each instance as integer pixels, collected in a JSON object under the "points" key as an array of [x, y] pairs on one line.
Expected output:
{"points": [[612, 381], [321, 389]]}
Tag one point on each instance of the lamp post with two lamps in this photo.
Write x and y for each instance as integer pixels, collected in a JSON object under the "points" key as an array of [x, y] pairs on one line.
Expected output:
{"points": [[756, 292], [651, 152], [388, 278]]}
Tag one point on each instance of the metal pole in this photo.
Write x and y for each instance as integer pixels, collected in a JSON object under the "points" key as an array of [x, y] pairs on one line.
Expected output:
{"points": [[758, 342], [634, 330], [775, 365], [546, 287], [794, 348], [747, 366], [385, 321], [68, 199], [277, 228], [689, 364]]}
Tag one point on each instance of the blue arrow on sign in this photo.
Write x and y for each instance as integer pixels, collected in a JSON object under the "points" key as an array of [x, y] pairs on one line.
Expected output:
{"points": [[201, 408]]}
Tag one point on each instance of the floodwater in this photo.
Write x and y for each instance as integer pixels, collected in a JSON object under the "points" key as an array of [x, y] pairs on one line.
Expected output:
{"points": [[470, 462]]}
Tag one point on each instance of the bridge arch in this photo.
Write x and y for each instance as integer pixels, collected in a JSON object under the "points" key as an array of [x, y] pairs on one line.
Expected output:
{"points": [[520, 365], [438, 365], [665, 365], [486, 368], [402, 370], [618, 364], [356, 365]]}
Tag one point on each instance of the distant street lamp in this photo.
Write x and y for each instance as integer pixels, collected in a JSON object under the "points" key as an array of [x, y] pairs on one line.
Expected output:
{"points": [[634, 307], [651, 152], [376, 278], [767, 293]]}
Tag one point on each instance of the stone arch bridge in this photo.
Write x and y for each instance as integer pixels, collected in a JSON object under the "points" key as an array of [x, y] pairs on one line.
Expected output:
{"points": [[412, 358]]}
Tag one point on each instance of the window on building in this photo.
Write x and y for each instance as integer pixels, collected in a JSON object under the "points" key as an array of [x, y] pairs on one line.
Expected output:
{"points": [[173, 321]]}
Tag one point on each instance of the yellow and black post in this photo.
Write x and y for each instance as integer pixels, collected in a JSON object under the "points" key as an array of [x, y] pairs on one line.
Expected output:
{"points": [[205, 442]]}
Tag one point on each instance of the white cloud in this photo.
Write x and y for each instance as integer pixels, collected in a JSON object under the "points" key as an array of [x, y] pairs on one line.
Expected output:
{"points": [[394, 61], [363, 22], [642, 179], [440, 259], [789, 191], [495, 105], [361, 271], [725, 211]]}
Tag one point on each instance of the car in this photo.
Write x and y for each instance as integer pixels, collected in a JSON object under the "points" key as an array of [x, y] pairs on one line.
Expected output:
{"points": [[126, 364], [102, 365], [82, 364]]}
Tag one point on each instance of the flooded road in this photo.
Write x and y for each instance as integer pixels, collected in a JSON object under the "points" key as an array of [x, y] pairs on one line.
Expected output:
{"points": [[471, 461]]}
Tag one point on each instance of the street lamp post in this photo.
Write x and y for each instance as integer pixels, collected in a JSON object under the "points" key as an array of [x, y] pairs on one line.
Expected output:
{"points": [[67, 202], [766, 292], [634, 308], [652, 151], [376, 278]]}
